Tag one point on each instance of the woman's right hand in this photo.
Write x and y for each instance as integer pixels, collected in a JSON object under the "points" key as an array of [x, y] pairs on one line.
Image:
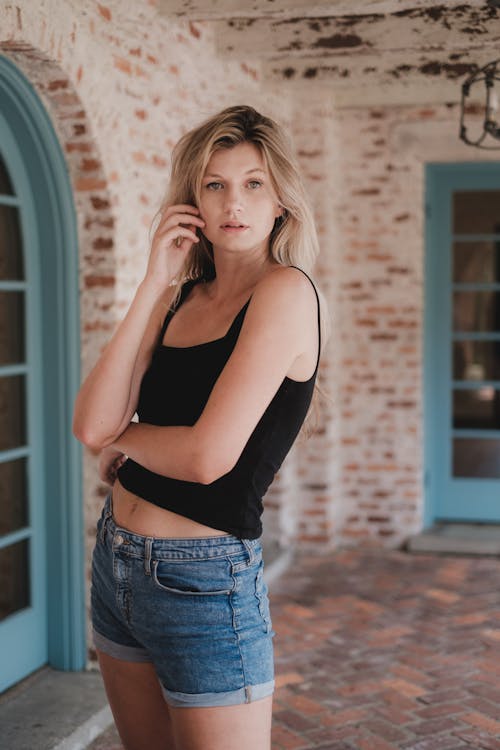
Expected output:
{"points": [[173, 239], [110, 461]]}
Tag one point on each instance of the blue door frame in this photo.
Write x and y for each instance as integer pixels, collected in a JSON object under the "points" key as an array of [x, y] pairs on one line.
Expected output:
{"points": [[447, 495], [49, 227]]}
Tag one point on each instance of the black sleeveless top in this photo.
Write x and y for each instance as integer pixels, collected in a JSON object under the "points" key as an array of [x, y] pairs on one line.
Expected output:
{"points": [[232, 503]]}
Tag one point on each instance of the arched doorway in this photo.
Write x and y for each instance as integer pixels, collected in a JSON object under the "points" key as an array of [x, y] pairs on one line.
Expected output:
{"points": [[41, 559]]}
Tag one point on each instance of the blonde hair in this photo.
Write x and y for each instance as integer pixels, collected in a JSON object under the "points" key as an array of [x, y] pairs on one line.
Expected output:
{"points": [[293, 240]]}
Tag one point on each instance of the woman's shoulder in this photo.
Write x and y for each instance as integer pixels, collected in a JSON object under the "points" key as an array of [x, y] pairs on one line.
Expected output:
{"points": [[286, 285]]}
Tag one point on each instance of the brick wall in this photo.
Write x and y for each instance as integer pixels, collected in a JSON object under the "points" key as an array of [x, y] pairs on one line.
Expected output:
{"points": [[378, 275]]}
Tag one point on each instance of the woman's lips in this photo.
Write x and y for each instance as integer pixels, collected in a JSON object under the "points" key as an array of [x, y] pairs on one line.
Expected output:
{"points": [[233, 230]]}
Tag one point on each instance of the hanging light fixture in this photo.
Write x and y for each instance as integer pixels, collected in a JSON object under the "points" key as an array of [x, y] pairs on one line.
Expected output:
{"points": [[489, 75]]}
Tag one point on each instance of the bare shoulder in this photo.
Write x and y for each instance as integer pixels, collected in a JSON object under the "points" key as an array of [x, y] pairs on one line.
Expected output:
{"points": [[286, 286], [284, 310]]}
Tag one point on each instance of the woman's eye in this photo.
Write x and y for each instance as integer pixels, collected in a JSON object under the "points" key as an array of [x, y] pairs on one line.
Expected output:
{"points": [[253, 184]]}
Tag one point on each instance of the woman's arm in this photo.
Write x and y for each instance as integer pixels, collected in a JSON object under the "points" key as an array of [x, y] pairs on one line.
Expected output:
{"points": [[107, 399], [278, 326]]}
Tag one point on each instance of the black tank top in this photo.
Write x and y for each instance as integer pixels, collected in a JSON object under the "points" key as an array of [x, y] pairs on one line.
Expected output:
{"points": [[232, 503]]}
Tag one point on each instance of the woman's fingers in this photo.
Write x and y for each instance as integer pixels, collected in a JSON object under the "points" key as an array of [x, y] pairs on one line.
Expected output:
{"points": [[169, 219], [178, 218], [109, 463], [181, 233], [189, 207]]}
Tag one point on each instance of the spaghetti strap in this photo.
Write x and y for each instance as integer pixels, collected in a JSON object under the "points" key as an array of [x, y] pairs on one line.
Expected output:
{"points": [[319, 315], [186, 288]]}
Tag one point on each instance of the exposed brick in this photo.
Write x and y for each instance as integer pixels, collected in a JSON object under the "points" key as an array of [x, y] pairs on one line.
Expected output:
{"points": [[288, 740], [480, 740], [294, 720], [485, 723]]}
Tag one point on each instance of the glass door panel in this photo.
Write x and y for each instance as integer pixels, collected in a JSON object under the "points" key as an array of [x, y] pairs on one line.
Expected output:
{"points": [[14, 578], [11, 260], [476, 408], [14, 485], [475, 262], [12, 343], [476, 458], [476, 211], [476, 360]]}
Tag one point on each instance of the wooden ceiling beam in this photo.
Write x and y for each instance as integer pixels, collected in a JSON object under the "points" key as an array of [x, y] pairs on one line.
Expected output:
{"points": [[362, 80], [209, 10], [427, 29]]}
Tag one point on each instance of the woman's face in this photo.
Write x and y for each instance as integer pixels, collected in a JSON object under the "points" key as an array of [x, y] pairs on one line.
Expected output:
{"points": [[238, 202]]}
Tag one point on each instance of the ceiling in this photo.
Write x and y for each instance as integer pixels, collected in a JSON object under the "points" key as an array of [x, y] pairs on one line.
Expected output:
{"points": [[364, 53]]}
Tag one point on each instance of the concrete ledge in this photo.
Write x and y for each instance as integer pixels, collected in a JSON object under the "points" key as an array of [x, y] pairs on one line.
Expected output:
{"points": [[52, 709], [458, 539]]}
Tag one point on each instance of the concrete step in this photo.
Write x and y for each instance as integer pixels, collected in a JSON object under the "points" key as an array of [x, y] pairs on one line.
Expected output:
{"points": [[458, 539]]}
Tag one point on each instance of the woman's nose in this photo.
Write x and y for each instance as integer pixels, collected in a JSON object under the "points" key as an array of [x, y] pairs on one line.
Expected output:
{"points": [[232, 199]]}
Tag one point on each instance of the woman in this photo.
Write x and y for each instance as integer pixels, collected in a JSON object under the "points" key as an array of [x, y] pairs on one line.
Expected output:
{"points": [[222, 387]]}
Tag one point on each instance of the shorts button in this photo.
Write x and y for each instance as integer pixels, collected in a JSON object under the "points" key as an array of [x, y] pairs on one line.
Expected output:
{"points": [[119, 539]]}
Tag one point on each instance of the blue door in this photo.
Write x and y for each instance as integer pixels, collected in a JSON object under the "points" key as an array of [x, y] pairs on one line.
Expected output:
{"points": [[41, 536], [23, 617], [462, 342]]}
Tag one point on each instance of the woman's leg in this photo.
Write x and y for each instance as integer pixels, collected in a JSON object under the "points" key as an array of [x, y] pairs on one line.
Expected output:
{"points": [[245, 727], [141, 715]]}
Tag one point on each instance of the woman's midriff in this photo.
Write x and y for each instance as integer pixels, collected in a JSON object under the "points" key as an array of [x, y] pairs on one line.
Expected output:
{"points": [[137, 515]]}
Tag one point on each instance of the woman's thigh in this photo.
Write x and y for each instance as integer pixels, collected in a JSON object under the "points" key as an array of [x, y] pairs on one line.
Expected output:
{"points": [[246, 726], [141, 715]]}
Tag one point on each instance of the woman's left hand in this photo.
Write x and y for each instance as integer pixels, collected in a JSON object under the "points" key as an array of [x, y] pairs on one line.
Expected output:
{"points": [[110, 461]]}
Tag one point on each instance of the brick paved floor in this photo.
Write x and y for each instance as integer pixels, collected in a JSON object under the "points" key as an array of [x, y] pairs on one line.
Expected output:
{"points": [[382, 650]]}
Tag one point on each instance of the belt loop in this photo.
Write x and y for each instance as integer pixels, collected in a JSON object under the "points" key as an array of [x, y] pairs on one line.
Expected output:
{"points": [[147, 555], [250, 551]]}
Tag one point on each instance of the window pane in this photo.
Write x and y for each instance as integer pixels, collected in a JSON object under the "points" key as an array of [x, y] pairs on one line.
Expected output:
{"points": [[14, 578], [476, 457], [12, 412], [476, 408], [476, 212], [5, 183], [11, 258], [11, 327], [476, 360], [476, 262], [476, 311], [14, 495]]}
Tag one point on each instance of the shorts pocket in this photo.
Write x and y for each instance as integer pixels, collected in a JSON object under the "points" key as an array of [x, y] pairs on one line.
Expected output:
{"points": [[210, 577]]}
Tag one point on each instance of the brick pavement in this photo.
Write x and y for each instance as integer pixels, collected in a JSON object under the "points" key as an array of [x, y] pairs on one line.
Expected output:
{"points": [[381, 650]]}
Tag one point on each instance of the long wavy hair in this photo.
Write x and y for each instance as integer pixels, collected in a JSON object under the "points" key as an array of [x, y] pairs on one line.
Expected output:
{"points": [[293, 240]]}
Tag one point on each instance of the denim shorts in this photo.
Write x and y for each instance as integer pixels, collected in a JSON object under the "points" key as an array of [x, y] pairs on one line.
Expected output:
{"points": [[196, 608]]}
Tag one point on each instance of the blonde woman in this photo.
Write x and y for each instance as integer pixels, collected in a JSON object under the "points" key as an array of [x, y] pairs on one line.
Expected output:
{"points": [[218, 355]]}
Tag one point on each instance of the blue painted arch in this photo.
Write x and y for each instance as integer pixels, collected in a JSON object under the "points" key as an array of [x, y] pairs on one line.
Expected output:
{"points": [[55, 227]]}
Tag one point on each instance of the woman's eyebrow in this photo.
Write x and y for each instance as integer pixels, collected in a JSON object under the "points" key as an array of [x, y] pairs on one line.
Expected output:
{"points": [[249, 171]]}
